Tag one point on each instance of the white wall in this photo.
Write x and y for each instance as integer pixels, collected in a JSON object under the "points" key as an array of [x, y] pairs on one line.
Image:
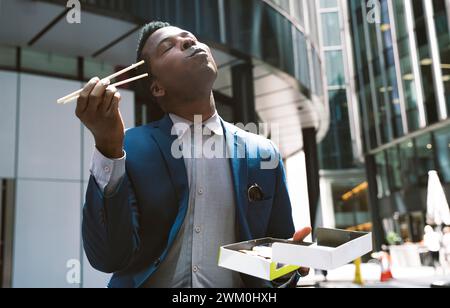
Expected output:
{"points": [[54, 154], [298, 190], [47, 232], [49, 134], [327, 203]]}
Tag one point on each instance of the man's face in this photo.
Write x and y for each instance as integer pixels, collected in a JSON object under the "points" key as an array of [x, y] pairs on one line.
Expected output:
{"points": [[180, 64]]}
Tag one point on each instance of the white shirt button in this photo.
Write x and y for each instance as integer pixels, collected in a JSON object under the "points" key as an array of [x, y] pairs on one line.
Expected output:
{"points": [[107, 169], [195, 268], [198, 229], [201, 191]]}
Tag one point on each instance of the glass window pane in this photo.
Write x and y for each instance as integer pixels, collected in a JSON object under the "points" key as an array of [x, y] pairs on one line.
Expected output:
{"points": [[331, 29], [426, 63], [328, 3], [209, 27], [48, 63], [302, 69], [408, 163], [443, 33], [336, 149], [95, 68], [425, 157], [335, 68], [382, 179], [443, 153], [318, 84], [282, 4], [244, 32], [298, 12], [394, 169]]}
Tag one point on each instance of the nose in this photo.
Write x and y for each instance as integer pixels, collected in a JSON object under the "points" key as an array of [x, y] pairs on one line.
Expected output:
{"points": [[187, 43]]}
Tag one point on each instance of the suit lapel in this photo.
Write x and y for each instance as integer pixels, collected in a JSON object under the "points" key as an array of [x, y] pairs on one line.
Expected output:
{"points": [[177, 171], [176, 166], [237, 152]]}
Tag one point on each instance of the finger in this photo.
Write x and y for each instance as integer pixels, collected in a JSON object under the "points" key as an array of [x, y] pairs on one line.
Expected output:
{"points": [[97, 94], [84, 95], [109, 95], [302, 234], [115, 103], [303, 271]]}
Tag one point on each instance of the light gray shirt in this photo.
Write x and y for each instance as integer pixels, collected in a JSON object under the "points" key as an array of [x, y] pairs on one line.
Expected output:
{"points": [[211, 217]]}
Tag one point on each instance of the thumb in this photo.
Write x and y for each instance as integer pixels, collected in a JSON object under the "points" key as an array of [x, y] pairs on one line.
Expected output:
{"points": [[302, 234]]}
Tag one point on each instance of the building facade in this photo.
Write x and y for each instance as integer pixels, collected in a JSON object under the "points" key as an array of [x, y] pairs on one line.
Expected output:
{"points": [[270, 71], [402, 77], [341, 154]]}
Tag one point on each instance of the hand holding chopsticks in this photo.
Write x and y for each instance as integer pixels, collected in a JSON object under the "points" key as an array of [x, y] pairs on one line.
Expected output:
{"points": [[75, 95], [98, 109]]}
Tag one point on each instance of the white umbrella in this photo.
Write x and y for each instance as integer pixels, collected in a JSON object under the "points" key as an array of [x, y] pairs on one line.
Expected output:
{"points": [[438, 211]]}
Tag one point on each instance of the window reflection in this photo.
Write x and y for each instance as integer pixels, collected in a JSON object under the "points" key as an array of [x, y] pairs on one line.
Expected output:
{"points": [[394, 169], [264, 33], [443, 33], [382, 179], [408, 163], [331, 29], [425, 157], [426, 67], [336, 149], [443, 153], [351, 208]]}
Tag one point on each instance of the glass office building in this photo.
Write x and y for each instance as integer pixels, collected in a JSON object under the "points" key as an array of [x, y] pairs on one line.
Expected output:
{"points": [[270, 71], [402, 76], [343, 203]]}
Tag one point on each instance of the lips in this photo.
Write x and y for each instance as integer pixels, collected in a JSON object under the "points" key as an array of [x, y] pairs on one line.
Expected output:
{"points": [[196, 51]]}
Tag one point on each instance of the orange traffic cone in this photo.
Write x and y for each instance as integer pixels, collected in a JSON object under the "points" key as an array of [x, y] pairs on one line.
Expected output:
{"points": [[386, 273]]}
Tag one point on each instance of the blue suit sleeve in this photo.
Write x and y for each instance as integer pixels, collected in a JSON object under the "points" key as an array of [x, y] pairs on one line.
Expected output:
{"points": [[110, 227], [281, 224]]}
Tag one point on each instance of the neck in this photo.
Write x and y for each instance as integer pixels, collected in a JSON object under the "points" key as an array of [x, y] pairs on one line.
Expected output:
{"points": [[203, 106]]}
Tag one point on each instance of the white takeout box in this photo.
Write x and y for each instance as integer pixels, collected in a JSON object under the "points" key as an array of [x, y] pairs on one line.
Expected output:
{"points": [[231, 258], [334, 248]]}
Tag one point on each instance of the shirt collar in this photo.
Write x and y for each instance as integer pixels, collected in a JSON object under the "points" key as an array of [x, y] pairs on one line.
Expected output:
{"points": [[213, 124]]}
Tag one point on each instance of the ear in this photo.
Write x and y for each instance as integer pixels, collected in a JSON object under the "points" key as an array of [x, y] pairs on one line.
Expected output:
{"points": [[156, 89]]}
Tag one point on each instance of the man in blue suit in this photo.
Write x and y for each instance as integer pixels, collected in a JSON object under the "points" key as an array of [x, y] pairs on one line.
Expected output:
{"points": [[164, 197]]}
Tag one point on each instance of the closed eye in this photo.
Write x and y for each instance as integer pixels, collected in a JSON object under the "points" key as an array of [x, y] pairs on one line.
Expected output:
{"points": [[170, 47]]}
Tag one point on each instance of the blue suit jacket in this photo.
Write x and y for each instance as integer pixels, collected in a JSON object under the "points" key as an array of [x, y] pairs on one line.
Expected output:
{"points": [[129, 233]]}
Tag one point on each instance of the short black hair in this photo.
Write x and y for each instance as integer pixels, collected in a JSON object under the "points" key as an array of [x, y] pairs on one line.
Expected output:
{"points": [[155, 111], [146, 32]]}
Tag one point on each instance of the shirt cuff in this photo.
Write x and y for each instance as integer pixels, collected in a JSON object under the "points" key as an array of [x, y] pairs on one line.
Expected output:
{"points": [[108, 173]]}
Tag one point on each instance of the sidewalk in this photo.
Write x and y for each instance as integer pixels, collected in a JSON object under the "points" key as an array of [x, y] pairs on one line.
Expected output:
{"points": [[418, 277]]}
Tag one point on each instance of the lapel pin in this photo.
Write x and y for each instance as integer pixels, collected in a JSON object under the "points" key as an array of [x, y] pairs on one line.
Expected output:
{"points": [[255, 193]]}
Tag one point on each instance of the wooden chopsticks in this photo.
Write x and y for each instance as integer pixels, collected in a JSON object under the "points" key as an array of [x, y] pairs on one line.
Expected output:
{"points": [[75, 95]]}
